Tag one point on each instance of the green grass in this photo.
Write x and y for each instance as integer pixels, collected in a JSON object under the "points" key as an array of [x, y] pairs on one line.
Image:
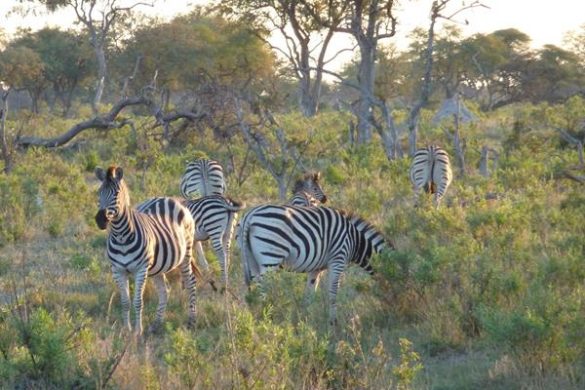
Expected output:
{"points": [[482, 293]]}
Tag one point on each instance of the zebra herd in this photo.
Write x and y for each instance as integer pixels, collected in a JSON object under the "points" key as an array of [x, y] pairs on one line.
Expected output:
{"points": [[302, 235]]}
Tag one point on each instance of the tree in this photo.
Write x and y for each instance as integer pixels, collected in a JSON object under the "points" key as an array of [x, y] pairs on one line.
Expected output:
{"points": [[99, 17], [66, 60], [307, 28], [23, 69], [575, 41], [368, 22], [553, 75]]}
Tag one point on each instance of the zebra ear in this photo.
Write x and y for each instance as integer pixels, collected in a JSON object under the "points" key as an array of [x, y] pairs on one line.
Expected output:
{"points": [[317, 176], [119, 173], [100, 174]]}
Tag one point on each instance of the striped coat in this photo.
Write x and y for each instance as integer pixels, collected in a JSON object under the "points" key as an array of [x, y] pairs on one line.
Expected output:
{"points": [[431, 171], [145, 243], [306, 239], [215, 217], [202, 177]]}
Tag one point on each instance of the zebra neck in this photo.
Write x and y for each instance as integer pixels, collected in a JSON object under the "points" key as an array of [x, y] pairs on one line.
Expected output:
{"points": [[124, 227]]}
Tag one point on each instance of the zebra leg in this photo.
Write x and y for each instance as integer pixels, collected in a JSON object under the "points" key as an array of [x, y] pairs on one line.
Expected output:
{"points": [[189, 283], [160, 281], [201, 256], [334, 273], [121, 278], [218, 247], [139, 285], [311, 287], [226, 240]]}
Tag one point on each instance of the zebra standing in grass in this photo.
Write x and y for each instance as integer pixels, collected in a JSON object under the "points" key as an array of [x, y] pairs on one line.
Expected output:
{"points": [[214, 217], [306, 239], [145, 242], [202, 177], [307, 192], [431, 171]]}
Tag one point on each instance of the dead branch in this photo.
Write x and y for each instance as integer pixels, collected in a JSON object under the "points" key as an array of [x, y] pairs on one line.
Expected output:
{"points": [[105, 122]]}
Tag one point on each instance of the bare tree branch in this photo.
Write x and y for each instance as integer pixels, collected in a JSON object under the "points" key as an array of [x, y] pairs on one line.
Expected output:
{"points": [[105, 122]]}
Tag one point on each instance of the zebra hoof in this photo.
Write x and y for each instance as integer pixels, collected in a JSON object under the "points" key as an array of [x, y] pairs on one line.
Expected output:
{"points": [[191, 324], [155, 328]]}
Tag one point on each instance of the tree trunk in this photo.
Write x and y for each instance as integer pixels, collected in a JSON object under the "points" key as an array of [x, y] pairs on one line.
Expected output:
{"points": [[459, 149], [6, 155], [425, 93], [101, 76], [483, 162], [366, 80]]}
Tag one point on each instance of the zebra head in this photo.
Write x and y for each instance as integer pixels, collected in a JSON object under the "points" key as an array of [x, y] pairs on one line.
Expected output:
{"points": [[309, 184], [113, 195]]}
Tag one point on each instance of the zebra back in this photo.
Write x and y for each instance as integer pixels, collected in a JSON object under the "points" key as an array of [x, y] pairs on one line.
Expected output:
{"points": [[314, 233], [202, 177]]}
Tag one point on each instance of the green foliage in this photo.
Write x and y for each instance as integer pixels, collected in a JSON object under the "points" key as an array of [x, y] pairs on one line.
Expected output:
{"points": [[488, 287], [41, 348]]}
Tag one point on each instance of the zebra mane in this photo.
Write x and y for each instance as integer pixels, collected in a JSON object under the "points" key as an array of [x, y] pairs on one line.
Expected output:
{"points": [[307, 177], [363, 226], [114, 172]]}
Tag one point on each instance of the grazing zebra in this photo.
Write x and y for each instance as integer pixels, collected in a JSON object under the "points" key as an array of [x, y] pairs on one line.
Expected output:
{"points": [[307, 191], [306, 239], [431, 170], [202, 177], [214, 217], [145, 242]]}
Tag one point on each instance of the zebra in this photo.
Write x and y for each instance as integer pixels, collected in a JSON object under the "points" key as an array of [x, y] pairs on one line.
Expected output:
{"points": [[202, 177], [306, 239], [214, 217], [307, 191], [431, 170], [145, 242]]}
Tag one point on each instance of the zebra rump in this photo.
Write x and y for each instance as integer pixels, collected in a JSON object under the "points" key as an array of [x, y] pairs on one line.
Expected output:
{"points": [[431, 171], [202, 177], [214, 217]]}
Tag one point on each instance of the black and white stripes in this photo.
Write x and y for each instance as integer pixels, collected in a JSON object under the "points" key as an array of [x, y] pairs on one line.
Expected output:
{"points": [[431, 171], [214, 217], [202, 177], [306, 239], [144, 242]]}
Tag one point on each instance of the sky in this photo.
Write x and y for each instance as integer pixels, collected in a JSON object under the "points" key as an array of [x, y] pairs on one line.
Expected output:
{"points": [[544, 21]]}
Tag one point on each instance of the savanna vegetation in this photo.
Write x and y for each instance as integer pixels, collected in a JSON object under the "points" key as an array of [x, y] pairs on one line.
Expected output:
{"points": [[486, 291]]}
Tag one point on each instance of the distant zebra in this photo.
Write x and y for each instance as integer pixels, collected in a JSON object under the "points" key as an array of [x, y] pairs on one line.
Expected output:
{"points": [[214, 217], [146, 242], [202, 177], [307, 191], [306, 239], [431, 171]]}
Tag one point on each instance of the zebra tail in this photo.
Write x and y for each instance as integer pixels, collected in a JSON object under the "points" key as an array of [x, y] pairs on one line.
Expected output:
{"points": [[236, 206], [245, 253], [199, 276], [430, 187]]}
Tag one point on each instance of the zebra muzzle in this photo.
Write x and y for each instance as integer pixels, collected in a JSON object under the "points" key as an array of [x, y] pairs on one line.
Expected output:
{"points": [[101, 220]]}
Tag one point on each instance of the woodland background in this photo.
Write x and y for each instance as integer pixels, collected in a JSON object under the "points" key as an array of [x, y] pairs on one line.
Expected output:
{"points": [[485, 292]]}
